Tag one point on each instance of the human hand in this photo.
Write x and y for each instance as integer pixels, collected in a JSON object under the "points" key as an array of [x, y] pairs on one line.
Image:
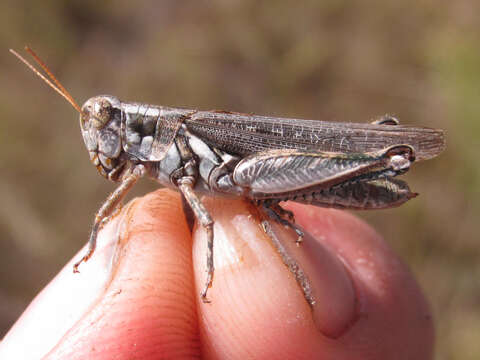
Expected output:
{"points": [[147, 305]]}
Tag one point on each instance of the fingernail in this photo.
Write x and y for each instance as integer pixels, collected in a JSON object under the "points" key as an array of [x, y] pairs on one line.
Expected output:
{"points": [[322, 277]]}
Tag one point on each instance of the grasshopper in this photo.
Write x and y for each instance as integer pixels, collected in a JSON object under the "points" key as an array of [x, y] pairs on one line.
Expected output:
{"points": [[264, 159]]}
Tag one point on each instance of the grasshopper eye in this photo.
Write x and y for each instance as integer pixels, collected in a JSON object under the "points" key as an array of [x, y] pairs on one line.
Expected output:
{"points": [[100, 113], [97, 112]]}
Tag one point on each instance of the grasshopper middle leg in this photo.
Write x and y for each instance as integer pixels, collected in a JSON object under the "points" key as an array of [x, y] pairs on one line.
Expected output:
{"points": [[185, 180], [186, 187]]}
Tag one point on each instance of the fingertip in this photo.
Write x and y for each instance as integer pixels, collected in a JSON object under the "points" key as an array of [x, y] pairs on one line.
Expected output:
{"points": [[393, 313]]}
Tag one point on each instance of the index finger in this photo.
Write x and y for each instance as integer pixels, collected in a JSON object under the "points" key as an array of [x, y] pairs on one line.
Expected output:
{"points": [[367, 303]]}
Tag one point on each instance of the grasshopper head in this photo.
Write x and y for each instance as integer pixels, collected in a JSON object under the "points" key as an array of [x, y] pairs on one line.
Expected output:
{"points": [[100, 121]]}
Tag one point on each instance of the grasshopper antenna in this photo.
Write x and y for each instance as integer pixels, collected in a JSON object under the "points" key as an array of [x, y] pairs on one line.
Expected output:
{"points": [[55, 85]]}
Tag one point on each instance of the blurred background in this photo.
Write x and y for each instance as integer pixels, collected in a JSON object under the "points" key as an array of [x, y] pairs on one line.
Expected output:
{"points": [[328, 60]]}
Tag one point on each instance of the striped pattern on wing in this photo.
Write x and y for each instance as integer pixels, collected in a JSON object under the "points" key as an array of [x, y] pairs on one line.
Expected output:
{"points": [[248, 134]]}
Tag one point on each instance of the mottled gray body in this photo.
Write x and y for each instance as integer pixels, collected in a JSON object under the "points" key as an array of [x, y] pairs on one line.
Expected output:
{"points": [[264, 159]]}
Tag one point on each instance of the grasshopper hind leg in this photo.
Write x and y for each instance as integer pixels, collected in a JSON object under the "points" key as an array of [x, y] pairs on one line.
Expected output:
{"points": [[283, 217], [273, 211]]}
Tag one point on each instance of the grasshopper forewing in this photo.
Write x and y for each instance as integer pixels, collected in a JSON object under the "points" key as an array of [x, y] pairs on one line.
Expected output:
{"points": [[264, 159]]}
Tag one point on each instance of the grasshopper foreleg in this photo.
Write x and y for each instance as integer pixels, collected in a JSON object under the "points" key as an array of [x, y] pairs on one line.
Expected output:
{"points": [[108, 209]]}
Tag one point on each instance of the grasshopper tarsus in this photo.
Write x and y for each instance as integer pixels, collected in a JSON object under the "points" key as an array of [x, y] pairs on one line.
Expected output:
{"points": [[207, 285], [300, 237], [203, 296], [77, 264]]}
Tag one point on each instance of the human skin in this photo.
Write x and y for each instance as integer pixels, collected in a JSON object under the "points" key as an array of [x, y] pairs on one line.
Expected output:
{"points": [[145, 303]]}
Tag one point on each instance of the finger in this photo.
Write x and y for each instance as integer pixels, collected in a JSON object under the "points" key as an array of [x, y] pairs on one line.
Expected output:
{"points": [[393, 316], [143, 307], [259, 311]]}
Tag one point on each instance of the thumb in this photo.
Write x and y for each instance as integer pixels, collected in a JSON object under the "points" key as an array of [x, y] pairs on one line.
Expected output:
{"points": [[141, 304]]}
